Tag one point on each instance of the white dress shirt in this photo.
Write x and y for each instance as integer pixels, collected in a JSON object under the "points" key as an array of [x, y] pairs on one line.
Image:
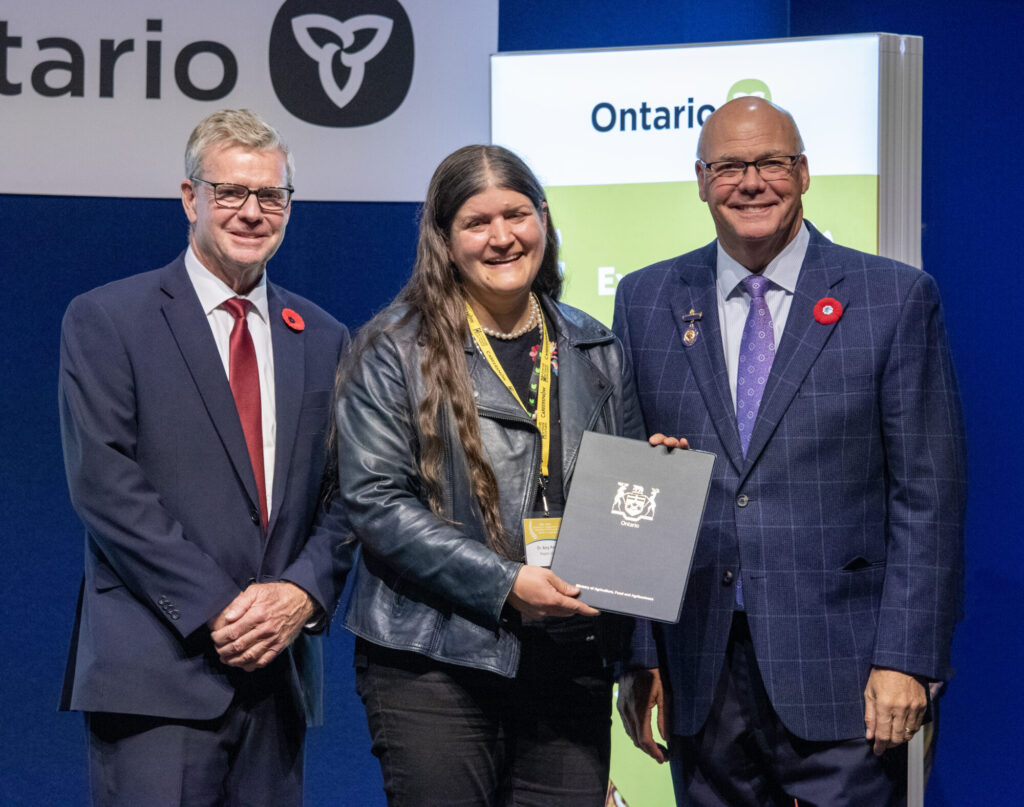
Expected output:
{"points": [[212, 292], [734, 302]]}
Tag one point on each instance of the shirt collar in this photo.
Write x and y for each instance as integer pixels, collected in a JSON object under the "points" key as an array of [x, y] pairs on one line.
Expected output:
{"points": [[783, 270], [212, 291]]}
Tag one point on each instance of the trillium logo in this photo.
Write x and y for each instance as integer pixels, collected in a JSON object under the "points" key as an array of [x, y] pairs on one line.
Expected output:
{"points": [[341, 62], [325, 54], [749, 86]]}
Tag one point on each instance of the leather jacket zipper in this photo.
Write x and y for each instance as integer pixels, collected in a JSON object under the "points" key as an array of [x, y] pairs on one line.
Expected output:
{"points": [[449, 488], [598, 408], [531, 495]]}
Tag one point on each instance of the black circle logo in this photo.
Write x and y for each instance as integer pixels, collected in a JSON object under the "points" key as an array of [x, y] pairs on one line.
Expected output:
{"points": [[341, 62]]}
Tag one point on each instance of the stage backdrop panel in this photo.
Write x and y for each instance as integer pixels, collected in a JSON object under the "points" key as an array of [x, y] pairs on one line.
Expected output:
{"points": [[106, 93], [617, 151]]}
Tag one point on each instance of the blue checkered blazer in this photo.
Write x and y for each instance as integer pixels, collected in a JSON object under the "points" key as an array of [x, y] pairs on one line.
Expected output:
{"points": [[845, 519]]}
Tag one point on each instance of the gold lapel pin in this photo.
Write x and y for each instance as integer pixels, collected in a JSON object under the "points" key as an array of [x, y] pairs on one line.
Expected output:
{"points": [[691, 320]]}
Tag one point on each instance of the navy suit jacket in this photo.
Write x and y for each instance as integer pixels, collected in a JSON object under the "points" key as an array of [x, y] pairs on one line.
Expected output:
{"points": [[845, 518], [160, 475]]}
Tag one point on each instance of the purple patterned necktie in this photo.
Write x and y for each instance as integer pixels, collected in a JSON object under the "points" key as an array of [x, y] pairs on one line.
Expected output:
{"points": [[757, 350]]}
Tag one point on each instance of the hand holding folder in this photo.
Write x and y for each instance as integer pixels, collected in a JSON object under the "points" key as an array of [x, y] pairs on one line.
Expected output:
{"points": [[631, 523]]}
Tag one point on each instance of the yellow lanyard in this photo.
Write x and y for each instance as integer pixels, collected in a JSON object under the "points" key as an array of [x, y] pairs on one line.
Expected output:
{"points": [[543, 414]]}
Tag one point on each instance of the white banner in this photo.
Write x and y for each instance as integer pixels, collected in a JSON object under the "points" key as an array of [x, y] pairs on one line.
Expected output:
{"points": [[98, 98], [633, 115]]}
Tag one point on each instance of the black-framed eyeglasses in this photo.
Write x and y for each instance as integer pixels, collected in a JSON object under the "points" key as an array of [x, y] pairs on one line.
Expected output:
{"points": [[228, 194], [769, 168]]}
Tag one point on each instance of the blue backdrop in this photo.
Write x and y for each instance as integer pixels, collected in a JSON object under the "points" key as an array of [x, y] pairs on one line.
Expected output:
{"points": [[353, 257]]}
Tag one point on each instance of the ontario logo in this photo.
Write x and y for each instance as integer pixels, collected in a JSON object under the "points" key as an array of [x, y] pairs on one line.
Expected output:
{"points": [[749, 86], [633, 505], [341, 63]]}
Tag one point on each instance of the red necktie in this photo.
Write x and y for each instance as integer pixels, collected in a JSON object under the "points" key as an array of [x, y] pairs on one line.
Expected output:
{"points": [[244, 376]]}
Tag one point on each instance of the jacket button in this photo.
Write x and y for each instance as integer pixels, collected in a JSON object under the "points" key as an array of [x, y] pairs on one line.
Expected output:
{"points": [[742, 500], [254, 514], [727, 578]]}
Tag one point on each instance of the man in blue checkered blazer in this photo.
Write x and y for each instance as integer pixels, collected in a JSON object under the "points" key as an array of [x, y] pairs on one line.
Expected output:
{"points": [[827, 576]]}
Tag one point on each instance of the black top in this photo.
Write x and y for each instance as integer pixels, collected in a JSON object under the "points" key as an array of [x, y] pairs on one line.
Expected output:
{"points": [[518, 357]]}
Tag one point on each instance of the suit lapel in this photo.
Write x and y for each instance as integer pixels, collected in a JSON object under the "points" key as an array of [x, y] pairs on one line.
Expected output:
{"points": [[191, 331], [707, 359], [289, 387], [802, 341]]}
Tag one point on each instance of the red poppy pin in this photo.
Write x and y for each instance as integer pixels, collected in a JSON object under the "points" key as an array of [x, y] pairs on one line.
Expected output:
{"points": [[828, 310], [296, 323]]}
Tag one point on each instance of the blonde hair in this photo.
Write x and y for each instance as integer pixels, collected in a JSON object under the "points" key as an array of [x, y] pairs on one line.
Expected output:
{"points": [[235, 127]]}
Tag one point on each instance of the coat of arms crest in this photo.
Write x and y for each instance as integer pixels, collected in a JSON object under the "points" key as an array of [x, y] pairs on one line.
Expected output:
{"points": [[634, 505]]}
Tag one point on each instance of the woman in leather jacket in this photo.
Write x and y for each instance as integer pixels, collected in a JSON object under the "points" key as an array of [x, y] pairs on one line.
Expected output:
{"points": [[486, 680]]}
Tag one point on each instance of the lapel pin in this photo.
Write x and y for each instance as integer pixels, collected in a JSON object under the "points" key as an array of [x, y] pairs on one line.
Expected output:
{"points": [[828, 310], [691, 320], [294, 321]]}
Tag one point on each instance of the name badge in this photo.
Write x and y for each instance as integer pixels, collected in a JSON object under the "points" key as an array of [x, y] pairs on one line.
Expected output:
{"points": [[539, 536]]}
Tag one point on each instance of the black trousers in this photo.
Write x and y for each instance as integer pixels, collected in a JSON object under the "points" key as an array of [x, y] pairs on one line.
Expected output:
{"points": [[744, 756], [450, 735]]}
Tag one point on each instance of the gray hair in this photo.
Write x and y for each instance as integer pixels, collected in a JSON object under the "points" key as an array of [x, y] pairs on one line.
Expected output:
{"points": [[234, 127]]}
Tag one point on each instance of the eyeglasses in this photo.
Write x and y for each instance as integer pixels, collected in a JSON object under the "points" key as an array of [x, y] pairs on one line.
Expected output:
{"points": [[270, 200], [768, 168]]}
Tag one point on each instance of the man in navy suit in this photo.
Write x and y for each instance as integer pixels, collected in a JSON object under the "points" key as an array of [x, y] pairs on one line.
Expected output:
{"points": [[826, 580], [194, 405]]}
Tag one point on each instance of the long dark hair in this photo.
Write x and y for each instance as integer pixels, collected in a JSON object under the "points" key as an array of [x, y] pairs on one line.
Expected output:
{"points": [[435, 296]]}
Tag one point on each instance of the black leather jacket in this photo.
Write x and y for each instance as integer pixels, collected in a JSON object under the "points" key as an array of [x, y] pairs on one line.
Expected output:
{"points": [[432, 586]]}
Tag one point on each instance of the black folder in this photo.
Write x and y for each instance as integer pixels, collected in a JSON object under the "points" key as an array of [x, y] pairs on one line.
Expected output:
{"points": [[630, 525]]}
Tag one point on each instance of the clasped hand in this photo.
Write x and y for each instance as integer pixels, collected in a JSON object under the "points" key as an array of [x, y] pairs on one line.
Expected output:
{"points": [[259, 623]]}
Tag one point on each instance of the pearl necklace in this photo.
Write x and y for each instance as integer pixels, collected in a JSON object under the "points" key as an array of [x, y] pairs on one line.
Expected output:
{"points": [[531, 323]]}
